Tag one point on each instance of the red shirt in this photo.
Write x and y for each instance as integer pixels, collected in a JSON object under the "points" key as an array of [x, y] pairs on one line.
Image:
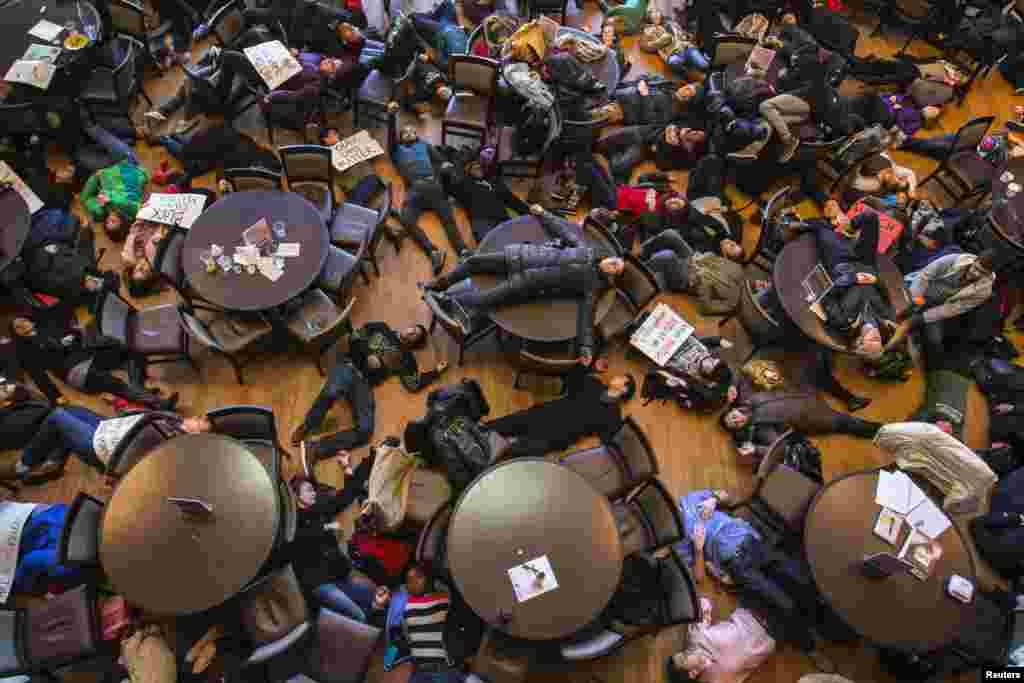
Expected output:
{"points": [[633, 200]]}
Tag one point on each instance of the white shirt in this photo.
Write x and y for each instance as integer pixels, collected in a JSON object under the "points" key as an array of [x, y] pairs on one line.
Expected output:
{"points": [[109, 434]]}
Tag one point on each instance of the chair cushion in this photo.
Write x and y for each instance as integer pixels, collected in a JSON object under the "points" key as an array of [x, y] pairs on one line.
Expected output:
{"points": [[100, 87], [338, 266], [789, 493], [61, 629], [235, 333], [972, 169], [317, 314], [158, 330], [351, 223], [377, 88], [467, 109], [343, 648], [600, 467], [601, 644], [632, 529], [275, 608]]}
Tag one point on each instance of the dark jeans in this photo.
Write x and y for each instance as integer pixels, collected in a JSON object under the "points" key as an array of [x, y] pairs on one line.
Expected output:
{"points": [[821, 374], [668, 255], [682, 62], [785, 616], [707, 179], [494, 264], [627, 147], [70, 428], [99, 379], [429, 25], [428, 195], [937, 147], [591, 175], [344, 382]]}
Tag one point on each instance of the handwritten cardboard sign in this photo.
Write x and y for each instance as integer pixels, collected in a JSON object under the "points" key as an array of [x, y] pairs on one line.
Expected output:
{"points": [[173, 209], [354, 150], [273, 62]]}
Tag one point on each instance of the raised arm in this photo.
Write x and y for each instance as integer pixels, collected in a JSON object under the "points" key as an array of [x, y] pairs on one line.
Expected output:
{"points": [[558, 227]]}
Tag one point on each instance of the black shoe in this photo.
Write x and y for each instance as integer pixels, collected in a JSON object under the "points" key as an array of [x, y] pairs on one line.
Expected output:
{"points": [[857, 403], [437, 259]]}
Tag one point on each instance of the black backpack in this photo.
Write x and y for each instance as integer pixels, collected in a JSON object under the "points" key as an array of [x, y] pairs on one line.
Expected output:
{"points": [[455, 438]]}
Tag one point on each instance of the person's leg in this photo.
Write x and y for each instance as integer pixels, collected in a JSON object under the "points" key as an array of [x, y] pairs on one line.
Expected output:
{"points": [[412, 208], [173, 145], [491, 263], [934, 341], [365, 190], [442, 205], [622, 161], [331, 596], [72, 428], [820, 374], [855, 426], [937, 147], [359, 592], [782, 110], [114, 145], [360, 398], [671, 270], [592, 175], [696, 59], [334, 388], [666, 239], [176, 101]]}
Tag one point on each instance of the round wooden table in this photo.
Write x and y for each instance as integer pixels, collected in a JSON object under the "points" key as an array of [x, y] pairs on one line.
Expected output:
{"points": [[795, 262], [223, 224], [900, 612], [547, 320], [1007, 216], [517, 512], [16, 225], [169, 561]]}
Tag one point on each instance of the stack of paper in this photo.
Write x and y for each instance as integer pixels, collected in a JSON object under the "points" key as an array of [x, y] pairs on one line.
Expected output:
{"points": [[898, 492], [46, 30], [929, 519], [36, 74], [532, 578]]}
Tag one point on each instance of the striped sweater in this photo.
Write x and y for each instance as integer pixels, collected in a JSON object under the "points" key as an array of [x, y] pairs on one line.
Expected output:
{"points": [[425, 616]]}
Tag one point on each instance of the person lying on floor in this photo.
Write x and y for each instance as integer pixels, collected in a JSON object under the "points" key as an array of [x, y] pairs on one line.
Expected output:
{"points": [[485, 198], [62, 349], [588, 408], [139, 254], [757, 419], [216, 146], [419, 613], [714, 280], [705, 384], [882, 177], [671, 147], [648, 102], [92, 437], [376, 352], [420, 163], [676, 46], [425, 83], [113, 195], [566, 267]]}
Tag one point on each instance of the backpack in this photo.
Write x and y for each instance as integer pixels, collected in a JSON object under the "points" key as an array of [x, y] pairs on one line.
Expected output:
{"points": [[456, 439], [804, 457], [58, 269]]}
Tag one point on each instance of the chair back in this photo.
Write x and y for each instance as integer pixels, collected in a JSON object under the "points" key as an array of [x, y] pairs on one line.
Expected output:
{"points": [[636, 452], [198, 330], [273, 609], [769, 241], [253, 180], [599, 235], [244, 422], [305, 163], [339, 268], [970, 135], [25, 118], [79, 539], [12, 655], [679, 590], [168, 257], [476, 74], [730, 49], [127, 18], [134, 446], [619, 317], [228, 23], [660, 511], [432, 546], [126, 74], [114, 317], [638, 282], [783, 490], [635, 533], [603, 467]]}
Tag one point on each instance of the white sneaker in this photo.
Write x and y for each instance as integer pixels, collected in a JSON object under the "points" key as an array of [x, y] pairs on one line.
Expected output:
{"points": [[155, 115]]}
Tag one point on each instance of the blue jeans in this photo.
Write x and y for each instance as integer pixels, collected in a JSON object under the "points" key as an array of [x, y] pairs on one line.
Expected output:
{"points": [[448, 676], [64, 429], [174, 146], [344, 382], [690, 59], [115, 146], [346, 597]]}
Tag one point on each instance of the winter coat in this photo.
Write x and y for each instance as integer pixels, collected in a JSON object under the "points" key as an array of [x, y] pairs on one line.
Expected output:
{"points": [[716, 282], [124, 183]]}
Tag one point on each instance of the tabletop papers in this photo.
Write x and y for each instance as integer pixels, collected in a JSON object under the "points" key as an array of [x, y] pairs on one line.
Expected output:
{"points": [[173, 209], [46, 30], [898, 492], [38, 74], [354, 150], [41, 53], [661, 335], [7, 175], [929, 519], [273, 62], [533, 578]]}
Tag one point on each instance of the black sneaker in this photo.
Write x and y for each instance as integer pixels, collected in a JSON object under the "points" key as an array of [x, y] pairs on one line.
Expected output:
{"points": [[437, 259]]}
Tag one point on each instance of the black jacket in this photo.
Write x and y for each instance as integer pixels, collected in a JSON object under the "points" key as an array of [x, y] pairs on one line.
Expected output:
{"points": [[658, 106]]}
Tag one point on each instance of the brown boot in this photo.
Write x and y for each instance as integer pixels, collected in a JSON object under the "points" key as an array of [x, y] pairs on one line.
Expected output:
{"points": [[9, 471], [48, 471]]}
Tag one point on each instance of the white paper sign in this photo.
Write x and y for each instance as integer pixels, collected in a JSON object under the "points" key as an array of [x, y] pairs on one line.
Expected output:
{"points": [[46, 30], [273, 62], [662, 334], [929, 519], [173, 209], [289, 249], [354, 150], [36, 74], [12, 520], [7, 175], [533, 578]]}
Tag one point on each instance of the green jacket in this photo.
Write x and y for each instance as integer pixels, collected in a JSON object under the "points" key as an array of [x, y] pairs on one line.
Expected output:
{"points": [[124, 183]]}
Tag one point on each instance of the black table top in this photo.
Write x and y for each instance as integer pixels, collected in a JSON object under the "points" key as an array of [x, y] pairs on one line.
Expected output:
{"points": [[223, 224], [16, 222], [1007, 216], [17, 18]]}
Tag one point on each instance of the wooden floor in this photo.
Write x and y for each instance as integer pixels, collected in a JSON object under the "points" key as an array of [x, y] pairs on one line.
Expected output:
{"points": [[693, 451]]}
